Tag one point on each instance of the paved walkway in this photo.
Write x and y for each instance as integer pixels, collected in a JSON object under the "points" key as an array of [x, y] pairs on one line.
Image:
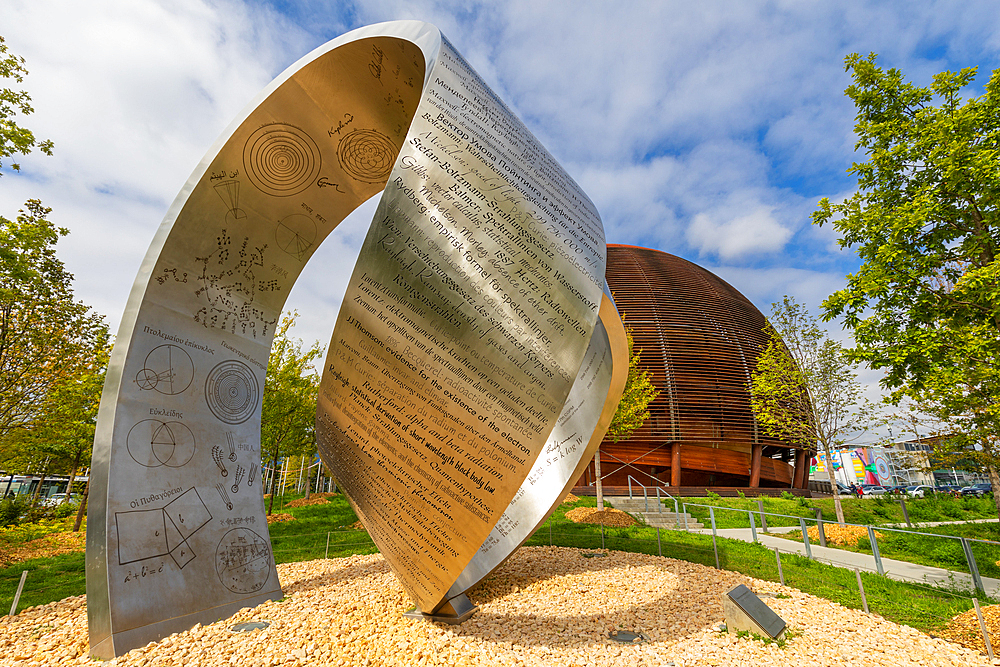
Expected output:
{"points": [[895, 569]]}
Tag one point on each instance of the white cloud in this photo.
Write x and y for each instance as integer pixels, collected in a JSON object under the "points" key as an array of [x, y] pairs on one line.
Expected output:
{"points": [[734, 236], [133, 93]]}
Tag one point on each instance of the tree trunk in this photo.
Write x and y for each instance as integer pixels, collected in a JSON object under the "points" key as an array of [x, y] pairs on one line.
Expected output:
{"points": [[83, 506], [38, 489], [597, 474], [995, 481], [72, 476], [833, 484]]}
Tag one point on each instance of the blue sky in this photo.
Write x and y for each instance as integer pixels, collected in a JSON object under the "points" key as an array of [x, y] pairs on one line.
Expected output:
{"points": [[708, 130]]}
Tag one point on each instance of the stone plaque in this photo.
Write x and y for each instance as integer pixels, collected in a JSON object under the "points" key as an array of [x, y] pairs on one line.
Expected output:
{"points": [[468, 344]]}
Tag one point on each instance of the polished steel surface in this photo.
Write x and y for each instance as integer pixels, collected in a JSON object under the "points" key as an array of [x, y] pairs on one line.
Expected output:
{"points": [[466, 321], [582, 424], [471, 310], [176, 529]]}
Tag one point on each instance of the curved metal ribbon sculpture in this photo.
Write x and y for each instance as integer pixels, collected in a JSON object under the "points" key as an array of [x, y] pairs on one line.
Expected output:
{"points": [[474, 367]]}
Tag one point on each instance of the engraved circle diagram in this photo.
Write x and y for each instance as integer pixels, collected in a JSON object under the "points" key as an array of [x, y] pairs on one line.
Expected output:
{"points": [[243, 560], [167, 369], [281, 160], [367, 155], [153, 443], [296, 235], [232, 392]]}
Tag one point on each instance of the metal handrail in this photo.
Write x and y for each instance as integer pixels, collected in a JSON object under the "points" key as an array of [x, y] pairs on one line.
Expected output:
{"points": [[645, 496], [659, 501]]}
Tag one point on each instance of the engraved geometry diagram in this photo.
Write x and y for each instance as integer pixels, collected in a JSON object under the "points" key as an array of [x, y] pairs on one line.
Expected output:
{"points": [[230, 193], [168, 369], [157, 533], [281, 160], [243, 560], [367, 155], [153, 443], [232, 392], [296, 235]]}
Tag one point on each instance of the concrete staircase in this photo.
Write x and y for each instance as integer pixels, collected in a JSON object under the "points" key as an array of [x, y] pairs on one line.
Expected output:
{"points": [[654, 518]]}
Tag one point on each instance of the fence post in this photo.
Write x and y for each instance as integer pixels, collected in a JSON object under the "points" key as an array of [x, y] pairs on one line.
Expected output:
{"points": [[763, 519], [659, 545], [861, 588], [982, 627], [906, 515], [715, 547], [327, 554], [875, 553], [17, 595], [781, 573], [753, 526], [686, 529], [973, 568], [819, 525], [805, 538]]}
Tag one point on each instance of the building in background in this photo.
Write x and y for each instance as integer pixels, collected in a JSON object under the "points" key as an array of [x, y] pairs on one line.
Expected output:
{"points": [[700, 339], [904, 463]]}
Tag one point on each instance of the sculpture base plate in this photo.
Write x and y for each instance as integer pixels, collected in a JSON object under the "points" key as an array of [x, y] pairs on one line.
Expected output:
{"points": [[455, 611]]}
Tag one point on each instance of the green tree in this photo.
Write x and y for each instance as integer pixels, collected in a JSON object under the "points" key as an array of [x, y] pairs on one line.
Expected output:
{"points": [[47, 338], [288, 415], [14, 138], [632, 411], [925, 304], [639, 392], [803, 388]]}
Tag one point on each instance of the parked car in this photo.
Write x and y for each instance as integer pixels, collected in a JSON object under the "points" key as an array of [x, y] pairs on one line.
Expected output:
{"points": [[977, 490], [844, 490], [57, 499], [920, 490], [947, 488], [900, 490], [872, 489]]}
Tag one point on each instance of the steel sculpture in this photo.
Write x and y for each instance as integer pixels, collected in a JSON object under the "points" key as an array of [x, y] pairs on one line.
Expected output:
{"points": [[473, 369]]}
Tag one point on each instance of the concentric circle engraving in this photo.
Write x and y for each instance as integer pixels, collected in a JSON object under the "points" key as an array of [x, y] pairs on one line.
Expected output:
{"points": [[281, 160], [232, 392], [367, 155]]}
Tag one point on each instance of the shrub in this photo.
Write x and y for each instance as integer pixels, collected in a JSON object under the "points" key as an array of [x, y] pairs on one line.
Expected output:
{"points": [[11, 510]]}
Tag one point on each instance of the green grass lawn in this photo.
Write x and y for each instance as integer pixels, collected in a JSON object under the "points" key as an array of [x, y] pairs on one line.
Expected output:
{"points": [[305, 538]]}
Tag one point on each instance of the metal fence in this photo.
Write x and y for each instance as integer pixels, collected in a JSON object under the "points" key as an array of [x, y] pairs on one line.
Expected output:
{"points": [[955, 553]]}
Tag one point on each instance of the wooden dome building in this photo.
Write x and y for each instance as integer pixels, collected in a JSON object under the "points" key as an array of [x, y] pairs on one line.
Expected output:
{"points": [[699, 339]]}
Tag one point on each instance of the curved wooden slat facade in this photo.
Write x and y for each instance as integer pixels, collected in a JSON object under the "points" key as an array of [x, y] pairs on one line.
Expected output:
{"points": [[699, 339]]}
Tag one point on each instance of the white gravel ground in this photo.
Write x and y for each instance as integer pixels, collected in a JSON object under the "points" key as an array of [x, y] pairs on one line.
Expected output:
{"points": [[545, 606]]}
